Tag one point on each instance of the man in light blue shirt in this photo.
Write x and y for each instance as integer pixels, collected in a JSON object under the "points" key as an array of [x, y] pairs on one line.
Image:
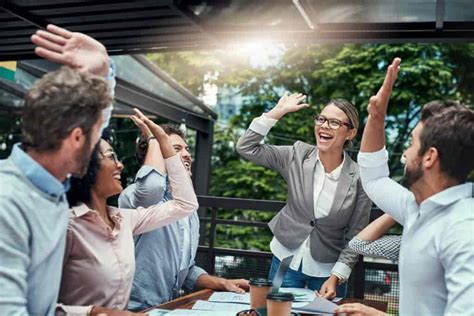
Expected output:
{"points": [[436, 262], [165, 257], [61, 122]]}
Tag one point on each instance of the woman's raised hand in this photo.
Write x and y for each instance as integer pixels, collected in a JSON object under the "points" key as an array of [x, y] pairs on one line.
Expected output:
{"points": [[287, 104], [141, 125], [146, 125], [144, 122]]}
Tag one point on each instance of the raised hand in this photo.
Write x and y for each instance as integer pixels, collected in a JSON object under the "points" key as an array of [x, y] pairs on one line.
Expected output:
{"points": [[73, 49], [378, 103], [373, 138], [145, 124], [163, 139], [141, 125], [287, 104]]}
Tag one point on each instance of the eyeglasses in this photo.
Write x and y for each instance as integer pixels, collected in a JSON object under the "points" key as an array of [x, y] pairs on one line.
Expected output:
{"points": [[112, 156], [333, 123]]}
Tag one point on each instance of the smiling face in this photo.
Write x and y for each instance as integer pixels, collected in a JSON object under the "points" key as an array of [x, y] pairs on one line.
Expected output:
{"points": [[328, 139], [182, 148], [108, 176]]}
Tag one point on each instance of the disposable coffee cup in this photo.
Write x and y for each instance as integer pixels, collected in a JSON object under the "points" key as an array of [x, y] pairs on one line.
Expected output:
{"points": [[259, 288], [279, 304]]}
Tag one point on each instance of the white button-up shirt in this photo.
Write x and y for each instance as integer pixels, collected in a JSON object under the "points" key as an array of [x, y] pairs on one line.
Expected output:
{"points": [[436, 263]]}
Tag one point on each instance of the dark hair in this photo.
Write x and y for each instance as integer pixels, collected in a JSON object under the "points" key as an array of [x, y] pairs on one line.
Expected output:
{"points": [[438, 106], [59, 102], [451, 132], [81, 188], [142, 144]]}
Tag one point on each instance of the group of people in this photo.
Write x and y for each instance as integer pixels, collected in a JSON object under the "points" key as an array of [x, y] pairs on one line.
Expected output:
{"points": [[330, 196], [63, 250]]}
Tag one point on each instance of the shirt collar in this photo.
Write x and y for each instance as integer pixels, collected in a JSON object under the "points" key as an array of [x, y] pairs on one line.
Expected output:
{"points": [[82, 209], [336, 173], [37, 174], [451, 195]]}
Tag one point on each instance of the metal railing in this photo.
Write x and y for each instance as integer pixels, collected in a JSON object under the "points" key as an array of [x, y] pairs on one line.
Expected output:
{"points": [[372, 280]]}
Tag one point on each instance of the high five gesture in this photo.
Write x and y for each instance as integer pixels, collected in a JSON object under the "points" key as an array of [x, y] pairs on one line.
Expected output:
{"points": [[373, 138]]}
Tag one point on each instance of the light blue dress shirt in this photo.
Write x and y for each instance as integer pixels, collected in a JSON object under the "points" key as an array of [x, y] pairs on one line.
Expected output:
{"points": [[160, 272], [33, 218], [436, 262]]}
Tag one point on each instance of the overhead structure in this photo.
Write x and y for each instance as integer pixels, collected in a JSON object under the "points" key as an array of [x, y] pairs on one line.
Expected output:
{"points": [[127, 27]]}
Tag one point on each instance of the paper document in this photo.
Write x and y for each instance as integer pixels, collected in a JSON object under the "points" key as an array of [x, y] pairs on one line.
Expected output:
{"points": [[224, 307], [194, 312], [230, 297], [158, 312], [318, 306], [300, 295]]}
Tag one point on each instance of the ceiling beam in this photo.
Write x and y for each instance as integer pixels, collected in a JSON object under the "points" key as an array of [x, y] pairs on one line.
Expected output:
{"points": [[22, 14], [440, 5]]}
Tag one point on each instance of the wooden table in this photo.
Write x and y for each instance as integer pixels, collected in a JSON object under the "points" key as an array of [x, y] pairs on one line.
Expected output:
{"points": [[187, 302]]}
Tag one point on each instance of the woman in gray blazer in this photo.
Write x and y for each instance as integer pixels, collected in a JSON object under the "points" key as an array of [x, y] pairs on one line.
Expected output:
{"points": [[326, 205]]}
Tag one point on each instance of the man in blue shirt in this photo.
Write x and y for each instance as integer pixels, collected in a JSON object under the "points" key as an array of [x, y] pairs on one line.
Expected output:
{"points": [[62, 118], [165, 257], [436, 263]]}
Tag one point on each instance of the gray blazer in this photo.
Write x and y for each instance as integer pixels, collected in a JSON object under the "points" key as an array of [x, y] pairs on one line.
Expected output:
{"points": [[295, 221]]}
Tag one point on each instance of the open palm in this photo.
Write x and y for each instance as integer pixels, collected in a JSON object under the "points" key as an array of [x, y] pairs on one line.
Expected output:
{"points": [[73, 49], [378, 103]]}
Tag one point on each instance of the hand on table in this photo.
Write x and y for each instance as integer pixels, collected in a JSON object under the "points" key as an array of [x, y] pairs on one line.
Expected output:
{"points": [[235, 285], [73, 49], [358, 309], [378, 103]]}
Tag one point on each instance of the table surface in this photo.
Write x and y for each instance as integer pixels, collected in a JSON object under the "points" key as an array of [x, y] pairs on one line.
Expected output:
{"points": [[187, 302]]}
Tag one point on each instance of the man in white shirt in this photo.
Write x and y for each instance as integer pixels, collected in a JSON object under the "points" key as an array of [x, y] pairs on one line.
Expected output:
{"points": [[436, 263]]}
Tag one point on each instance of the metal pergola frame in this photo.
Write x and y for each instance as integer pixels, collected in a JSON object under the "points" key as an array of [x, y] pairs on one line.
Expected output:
{"points": [[132, 27]]}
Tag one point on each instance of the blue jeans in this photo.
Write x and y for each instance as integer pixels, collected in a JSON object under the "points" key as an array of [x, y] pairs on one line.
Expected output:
{"points": [[300, 280]]}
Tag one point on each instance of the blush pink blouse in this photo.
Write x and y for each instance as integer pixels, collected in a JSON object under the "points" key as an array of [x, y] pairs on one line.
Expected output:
{"points": [[99, 262]]}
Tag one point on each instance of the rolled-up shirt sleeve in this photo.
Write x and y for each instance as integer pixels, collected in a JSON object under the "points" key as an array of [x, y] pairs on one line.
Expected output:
{"points": [[387, 194], [184, 201], [262, 124], [385, 247], [193, 274]]}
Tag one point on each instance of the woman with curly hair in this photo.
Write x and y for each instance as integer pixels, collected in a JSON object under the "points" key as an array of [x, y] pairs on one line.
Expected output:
{"points": [[99, 263]]}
